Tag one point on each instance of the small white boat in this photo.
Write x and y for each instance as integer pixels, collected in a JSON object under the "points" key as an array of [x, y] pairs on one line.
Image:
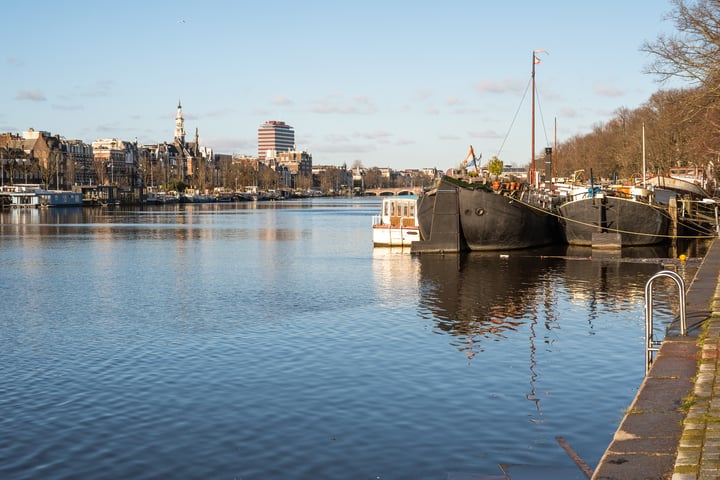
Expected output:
{"points": [[397, 224], [679, 185]]}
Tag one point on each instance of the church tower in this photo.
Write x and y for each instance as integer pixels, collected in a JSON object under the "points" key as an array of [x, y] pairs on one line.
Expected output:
{"points": [[179, 125]]}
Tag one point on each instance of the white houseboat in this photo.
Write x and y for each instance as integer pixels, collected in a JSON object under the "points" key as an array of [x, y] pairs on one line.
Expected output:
{"points": [[396, 225]]}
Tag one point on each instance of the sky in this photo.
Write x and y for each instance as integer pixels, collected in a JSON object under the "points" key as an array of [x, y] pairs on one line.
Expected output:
{"points": [[399, 84]]}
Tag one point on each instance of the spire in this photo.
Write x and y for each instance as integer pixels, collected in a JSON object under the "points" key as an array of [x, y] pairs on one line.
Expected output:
{"points": [[179, 125]]}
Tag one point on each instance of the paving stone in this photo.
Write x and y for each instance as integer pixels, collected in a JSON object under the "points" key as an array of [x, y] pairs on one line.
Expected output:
{"points": [[654, 424]]}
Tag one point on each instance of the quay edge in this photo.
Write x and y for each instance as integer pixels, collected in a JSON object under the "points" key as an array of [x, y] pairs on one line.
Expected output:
{"points": [[659, 436]]}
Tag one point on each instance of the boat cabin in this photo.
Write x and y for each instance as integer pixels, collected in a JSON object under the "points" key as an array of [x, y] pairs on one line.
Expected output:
{"points": [[690, 174], [397, 223], [399, 211]]}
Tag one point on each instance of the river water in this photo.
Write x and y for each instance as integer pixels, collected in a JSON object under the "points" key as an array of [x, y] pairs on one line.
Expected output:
{"points": [[270, 340]]}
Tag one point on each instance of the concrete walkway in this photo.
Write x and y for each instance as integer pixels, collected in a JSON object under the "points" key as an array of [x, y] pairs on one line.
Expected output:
{"points": [[698, 455], [672, 428]]}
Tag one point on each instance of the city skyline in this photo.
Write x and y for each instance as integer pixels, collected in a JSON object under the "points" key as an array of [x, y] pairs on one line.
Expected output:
{"points": [[400, 85]]}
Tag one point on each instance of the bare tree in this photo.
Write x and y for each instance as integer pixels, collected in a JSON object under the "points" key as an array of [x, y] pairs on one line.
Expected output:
{"points": [[49, 168], [693, 53]]}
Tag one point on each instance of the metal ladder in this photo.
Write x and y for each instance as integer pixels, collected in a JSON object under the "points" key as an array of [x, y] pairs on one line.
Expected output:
{"points": [[651, 344]]}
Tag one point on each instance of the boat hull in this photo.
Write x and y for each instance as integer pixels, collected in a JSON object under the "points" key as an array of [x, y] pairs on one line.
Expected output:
{"points": [[493, 221], [387, 236], [638, 223], [487, 220]]}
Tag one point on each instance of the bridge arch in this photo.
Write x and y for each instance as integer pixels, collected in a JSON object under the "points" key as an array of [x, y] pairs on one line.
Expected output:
{"points": [[381, 192]]}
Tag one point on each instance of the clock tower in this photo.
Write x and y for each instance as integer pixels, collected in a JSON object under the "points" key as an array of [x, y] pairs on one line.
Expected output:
{"points": [[179, 125]]}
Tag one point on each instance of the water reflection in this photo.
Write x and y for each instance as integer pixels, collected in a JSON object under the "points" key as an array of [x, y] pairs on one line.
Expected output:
{"points": [[181, 223], [535, 298], [479, 296], [257, 314], [482, 297]]}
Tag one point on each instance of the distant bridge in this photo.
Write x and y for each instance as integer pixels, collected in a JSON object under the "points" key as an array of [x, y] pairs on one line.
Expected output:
{"points": [[380, 192]]}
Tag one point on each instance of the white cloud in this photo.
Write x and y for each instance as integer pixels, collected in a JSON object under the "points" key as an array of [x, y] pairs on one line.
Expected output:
{"points": [[67, 108], [499, 86], [359, 105], [34, 96], [607, 91], [376, 135], [281, 100]]}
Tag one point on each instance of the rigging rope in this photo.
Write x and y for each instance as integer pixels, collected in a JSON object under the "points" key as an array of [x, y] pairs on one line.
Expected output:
{"points": [[542, 119], [527, 87], [614, 230], [512, 123]]}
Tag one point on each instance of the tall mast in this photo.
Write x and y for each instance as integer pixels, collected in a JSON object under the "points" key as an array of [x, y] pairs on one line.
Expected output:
{"points": [[532, 152], [644, 182], [554, 163], [533, 170]]}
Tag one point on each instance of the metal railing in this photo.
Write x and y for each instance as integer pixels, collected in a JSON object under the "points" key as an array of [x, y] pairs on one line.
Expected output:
{"points": [[651, 344]]}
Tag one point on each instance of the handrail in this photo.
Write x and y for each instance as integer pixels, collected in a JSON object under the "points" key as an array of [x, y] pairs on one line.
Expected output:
{"points": [[652, 345]]}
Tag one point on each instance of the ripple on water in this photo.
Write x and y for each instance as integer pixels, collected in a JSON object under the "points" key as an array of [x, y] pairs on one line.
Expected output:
{"points": [[153, 350]]}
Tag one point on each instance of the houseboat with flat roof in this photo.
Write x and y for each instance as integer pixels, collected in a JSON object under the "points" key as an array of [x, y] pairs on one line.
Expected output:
{"points": [[33, 196], [397, 224]]}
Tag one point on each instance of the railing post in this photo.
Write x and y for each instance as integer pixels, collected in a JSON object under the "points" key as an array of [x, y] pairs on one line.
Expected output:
{"points": [[652, 345]]}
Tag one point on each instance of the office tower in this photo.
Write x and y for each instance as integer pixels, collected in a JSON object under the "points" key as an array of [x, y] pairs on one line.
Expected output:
{"points": [[275, 137]]}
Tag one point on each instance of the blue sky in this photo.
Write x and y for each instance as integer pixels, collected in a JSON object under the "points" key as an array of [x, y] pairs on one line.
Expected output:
{"points": [[401, 84]]}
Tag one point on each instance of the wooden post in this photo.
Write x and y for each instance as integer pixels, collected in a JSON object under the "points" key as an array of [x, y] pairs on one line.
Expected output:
{"points": [[673, 211]]}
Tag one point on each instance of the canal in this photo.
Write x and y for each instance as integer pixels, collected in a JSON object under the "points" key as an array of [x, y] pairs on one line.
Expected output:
{"points": [[270, 340]]}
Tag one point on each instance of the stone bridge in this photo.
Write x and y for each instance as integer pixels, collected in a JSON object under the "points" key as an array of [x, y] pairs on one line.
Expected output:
{"points": [[370, 192]]}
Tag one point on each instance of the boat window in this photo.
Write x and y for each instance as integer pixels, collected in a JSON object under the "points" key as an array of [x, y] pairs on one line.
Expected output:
{"points": [[412, 210]]}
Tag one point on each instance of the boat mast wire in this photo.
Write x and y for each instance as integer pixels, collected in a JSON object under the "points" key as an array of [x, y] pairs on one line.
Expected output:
{"points": [[522, 100], [531, 83], [542, 118]]}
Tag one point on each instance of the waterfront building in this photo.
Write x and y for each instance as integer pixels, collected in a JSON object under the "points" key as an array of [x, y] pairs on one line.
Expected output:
{"points": [[292, 166], [329, 178], [275, 137], [179, 125], [38, 157], [298, 163], [115, 161], [43, 151], [12, 158], [192, 163], [79, 163], [33, 157]]}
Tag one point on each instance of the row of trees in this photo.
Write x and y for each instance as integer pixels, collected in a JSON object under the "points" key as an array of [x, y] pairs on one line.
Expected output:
{"points": [[680, 125]]}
